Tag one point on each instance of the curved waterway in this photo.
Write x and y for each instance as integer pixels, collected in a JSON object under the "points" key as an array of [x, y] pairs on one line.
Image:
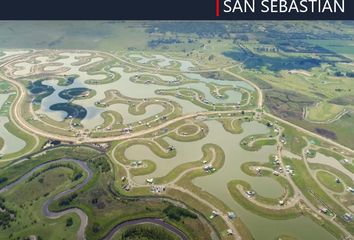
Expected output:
{"points": [[163, 61], [234, 154], [45, 208], [216, 184], [261, 228], [127, 88], [11, 142], [82, 215], [332, 162]]}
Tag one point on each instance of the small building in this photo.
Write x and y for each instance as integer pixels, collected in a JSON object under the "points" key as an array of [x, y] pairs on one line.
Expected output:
{"points": [[171, 148], [230, 232], [215, 213], [231, 215], [324, 210], [348, 217], [150, 180], [209, 168], [250, 193]]}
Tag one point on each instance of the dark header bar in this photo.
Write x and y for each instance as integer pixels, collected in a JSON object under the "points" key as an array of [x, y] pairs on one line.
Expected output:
{"points": [[178, 10]]}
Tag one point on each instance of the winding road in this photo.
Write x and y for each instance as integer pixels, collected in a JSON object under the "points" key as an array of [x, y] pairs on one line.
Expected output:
{"points": [[155, 221], [15, 115], [45, 208], [82, 215], [21, 123]]}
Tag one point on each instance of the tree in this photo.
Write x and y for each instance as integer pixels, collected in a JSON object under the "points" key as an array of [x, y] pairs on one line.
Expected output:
{"points": [[69, 222]]}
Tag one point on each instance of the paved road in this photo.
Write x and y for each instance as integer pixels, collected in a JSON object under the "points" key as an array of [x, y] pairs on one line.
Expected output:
{"points": [[297, 191], [222, 215], [172, 185], [45, 210], [16, 115], [261, 103], [155, 221], [310, 133], [30, 129], [16, 112], [260, 93], [82, 215]]}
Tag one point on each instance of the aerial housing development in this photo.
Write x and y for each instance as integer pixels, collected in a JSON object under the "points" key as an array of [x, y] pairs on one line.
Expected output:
{"points": [[176, 130]]}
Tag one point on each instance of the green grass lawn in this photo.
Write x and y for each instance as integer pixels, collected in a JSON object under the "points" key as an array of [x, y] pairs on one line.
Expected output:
{"points": [[188, 129], [329, 181], [323, 112], [294, 141], [307, 184], [207, 156], [104, 207], [258, 144], [262, 211], [150, 168], [146, 232], [340, 46], [78, 152], [232, 125], [27, 200], [1, 143], [336, 156]]}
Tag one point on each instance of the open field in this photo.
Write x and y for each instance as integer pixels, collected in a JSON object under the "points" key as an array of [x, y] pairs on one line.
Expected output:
{"points": [[324, 112]]}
